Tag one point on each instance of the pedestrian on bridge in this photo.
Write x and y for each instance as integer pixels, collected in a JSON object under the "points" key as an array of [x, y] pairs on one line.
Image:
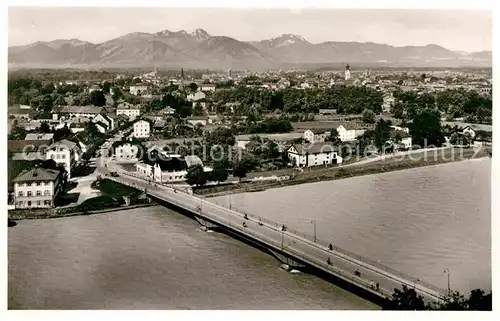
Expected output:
{"points": [[378, 286], [330, 247]]}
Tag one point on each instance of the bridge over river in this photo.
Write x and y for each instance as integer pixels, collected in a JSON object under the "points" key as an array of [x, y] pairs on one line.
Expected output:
{"points": [[290, 247]]}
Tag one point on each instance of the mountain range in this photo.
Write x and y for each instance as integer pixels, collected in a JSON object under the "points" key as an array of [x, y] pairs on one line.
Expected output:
{"points": [[199, 49]]}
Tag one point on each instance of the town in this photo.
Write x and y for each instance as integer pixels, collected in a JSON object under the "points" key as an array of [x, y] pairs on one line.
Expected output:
{"points": [[216, 129]]}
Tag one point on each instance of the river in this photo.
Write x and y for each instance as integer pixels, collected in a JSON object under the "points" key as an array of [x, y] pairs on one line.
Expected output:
{"points": [[419, 221]]}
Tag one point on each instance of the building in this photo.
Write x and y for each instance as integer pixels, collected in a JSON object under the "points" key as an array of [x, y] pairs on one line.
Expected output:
{"points": [[80, 111], [346, 135], [104, 122], [388, 102], [403, 129], [138, 89], [37, 188], [168, 169], [28, 149], [94, 88], [131, 111], [347, 73], [469, 131], [207, 87], [126, 152], [195, 120], [65, 152], [318, 136], [313, 155], [142, 129]]}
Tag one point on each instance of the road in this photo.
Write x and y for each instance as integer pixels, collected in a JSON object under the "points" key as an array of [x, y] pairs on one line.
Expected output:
{"points": [[271, 234]]}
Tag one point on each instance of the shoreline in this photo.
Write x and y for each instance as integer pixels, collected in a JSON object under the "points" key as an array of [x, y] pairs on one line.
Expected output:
{"points": [[330, 174], [52, 214]]}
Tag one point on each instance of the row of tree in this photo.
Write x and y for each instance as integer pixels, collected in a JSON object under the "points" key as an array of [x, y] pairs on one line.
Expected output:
{"points": [[408, 299]]}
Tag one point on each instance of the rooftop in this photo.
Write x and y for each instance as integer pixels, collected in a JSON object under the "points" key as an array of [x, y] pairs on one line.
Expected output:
{"points": [[37, 174], [82, 109], [316, 148]]}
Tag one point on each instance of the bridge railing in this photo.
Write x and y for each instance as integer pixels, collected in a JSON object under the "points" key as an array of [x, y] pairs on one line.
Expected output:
{"points": [[350, 254]]}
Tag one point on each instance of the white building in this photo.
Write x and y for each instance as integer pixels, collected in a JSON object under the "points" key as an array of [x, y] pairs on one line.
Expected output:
{"points": [[195, 120], [104, 122], [349, 135], [469, 131], [131, 111], [126, 152], [313, 155], [142, 129], [64, 152], [196, 96], [81, 111], [403, 129], [37, 188], [207, 87], [388, 102], [313, 137], [138, 89]]}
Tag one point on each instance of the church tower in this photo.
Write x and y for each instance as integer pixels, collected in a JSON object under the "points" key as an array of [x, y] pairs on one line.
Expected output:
{"points": [[347, 73], [181, 85]]}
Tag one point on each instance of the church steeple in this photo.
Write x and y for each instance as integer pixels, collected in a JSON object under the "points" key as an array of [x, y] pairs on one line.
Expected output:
{"points": [[181, 86]]}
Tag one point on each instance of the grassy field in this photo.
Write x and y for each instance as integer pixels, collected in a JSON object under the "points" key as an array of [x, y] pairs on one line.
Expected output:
{"points": [[339, 172]]}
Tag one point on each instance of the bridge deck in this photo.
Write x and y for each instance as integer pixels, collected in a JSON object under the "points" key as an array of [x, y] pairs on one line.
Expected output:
{"points": [[315, 253]]}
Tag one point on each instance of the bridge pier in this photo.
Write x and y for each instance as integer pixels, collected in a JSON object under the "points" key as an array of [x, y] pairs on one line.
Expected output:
{"points": [[287, 263], [205, 225]]}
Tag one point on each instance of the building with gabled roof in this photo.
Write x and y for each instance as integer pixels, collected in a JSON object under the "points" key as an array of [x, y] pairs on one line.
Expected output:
{"points": [[307, 155], [37, 187]]}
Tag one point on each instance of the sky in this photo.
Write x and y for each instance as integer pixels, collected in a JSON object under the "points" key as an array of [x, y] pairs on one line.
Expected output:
{"points": [[461, 30]]}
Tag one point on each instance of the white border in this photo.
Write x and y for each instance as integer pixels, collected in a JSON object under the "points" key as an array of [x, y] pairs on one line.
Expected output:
{"points": [[209, 315]]}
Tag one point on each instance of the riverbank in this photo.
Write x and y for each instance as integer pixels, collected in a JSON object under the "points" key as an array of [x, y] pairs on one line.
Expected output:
{"points": [[426, 158], [18, 215]]}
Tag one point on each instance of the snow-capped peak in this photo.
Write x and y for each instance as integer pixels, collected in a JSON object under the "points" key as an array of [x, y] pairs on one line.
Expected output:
{"points": [[200, 34]]}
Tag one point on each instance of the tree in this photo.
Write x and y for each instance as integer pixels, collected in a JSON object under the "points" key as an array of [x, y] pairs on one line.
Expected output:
{"points": [[198, 110], [196, 175], [397, 110], [105, 86], [382, 133], [479, 301], [425, 128], [60, 101], [97, 98], [193, 86], [219, 172], [368, 116], [406, 299], [44, 128], [17, 133]]}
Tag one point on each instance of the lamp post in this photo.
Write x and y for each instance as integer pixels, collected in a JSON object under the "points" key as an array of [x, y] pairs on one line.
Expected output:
{"points": [[229, 201], [448, 272], [314, 222]]}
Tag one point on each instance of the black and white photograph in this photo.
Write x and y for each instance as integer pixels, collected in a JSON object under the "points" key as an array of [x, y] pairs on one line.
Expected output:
{"points": [[249, 158]]}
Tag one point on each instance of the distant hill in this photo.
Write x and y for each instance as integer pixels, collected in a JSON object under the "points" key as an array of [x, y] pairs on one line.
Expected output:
{"points": [[199, 49]]}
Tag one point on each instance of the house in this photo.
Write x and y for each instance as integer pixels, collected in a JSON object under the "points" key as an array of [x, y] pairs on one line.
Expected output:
{"points": [[105, 122], [142, 129], [318, 136], [469, 131], [94, 88], [138, 89], [199, 95], [195, 120], [313, 155], [37, 188], [129, 110], [167, 168], [403, 129], [127, 152], [65, 152], [346, 135], [207, 87], [81, 111], [167, 111]]}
